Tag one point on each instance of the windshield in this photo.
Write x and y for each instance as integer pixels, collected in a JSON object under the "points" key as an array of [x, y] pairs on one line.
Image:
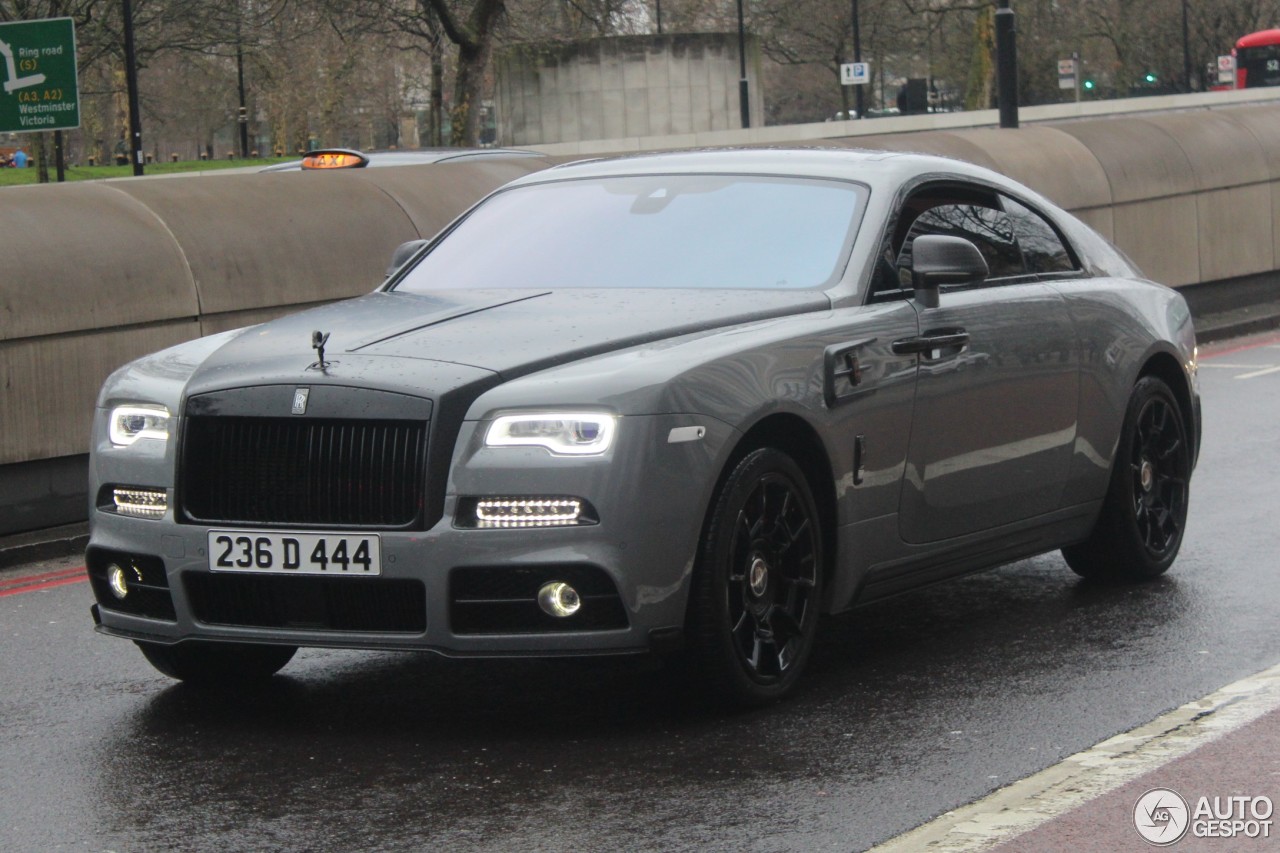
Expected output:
{"points": [[684, 231]]}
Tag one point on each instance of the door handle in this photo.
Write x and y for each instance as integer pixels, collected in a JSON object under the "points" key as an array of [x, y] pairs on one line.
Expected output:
{"points": [[928, 343]]}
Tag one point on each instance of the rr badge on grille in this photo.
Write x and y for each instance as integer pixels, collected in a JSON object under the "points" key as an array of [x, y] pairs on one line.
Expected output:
{"points": [[300, 396]]}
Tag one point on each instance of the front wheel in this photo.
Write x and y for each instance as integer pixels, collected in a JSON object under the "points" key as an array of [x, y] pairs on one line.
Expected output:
{"points": [[1140, 529], [217, 664], [758, 582]]}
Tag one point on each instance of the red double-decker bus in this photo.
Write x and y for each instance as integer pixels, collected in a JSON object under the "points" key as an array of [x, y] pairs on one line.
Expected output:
{"points": [[1258, 59]]}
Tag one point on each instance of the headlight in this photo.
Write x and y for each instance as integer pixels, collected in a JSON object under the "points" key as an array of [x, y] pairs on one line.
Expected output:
{"points": [[571, 434], [130, 423]]}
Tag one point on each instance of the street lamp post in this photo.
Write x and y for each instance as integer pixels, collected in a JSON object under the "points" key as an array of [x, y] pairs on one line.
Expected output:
{"points": [[857, 57], [1007, 65], [743, 95], [131, 83], [242, 117], [1186, 50]]}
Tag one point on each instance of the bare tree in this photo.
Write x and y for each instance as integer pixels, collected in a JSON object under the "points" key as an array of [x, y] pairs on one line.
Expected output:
{"points": [[472, 30], [552, 20], [1216, 25], [346, 71], [470, 25], [91, 19]]}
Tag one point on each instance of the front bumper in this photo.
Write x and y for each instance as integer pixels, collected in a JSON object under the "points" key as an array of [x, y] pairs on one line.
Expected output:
{"points": [[651, 497]]}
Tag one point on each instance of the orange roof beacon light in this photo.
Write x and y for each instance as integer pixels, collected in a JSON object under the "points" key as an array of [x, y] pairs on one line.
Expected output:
{"points": [[335, 158]]}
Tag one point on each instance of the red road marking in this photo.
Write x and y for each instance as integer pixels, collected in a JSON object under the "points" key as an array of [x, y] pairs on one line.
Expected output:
{"points": [[1217, 350], [46, 576], [48, 580]]}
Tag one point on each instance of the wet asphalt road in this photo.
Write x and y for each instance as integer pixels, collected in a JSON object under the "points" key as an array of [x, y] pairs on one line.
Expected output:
{"points": [[911, 707]]}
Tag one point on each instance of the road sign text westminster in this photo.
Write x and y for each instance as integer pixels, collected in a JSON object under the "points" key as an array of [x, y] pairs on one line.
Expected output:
{"points": [[40, 89]]}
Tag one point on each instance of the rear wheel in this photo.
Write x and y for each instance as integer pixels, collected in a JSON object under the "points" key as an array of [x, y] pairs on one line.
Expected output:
{"points": [[1138, 534], [758, 583], [217, 664]]}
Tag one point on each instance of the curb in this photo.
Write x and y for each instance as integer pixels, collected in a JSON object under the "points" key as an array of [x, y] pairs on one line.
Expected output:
{"points": [[1008, 813], [43, 544], [1213, 328]]}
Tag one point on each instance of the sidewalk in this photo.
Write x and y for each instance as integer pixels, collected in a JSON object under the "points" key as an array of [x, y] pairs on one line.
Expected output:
{"points": [[1245, 762], [1203, 777], [1237, 322]]}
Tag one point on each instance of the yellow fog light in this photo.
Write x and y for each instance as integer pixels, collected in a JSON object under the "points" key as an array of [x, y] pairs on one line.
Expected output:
{"points": [[559, 599], [118, 580]]}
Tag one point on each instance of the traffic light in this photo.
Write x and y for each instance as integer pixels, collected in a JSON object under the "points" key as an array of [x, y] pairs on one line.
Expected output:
{"points": [[1089, 85], [1150, 78]]}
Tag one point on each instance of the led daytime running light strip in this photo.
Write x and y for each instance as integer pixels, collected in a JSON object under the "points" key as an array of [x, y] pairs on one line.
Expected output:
{"points": [[143, 503], [527, 512]]}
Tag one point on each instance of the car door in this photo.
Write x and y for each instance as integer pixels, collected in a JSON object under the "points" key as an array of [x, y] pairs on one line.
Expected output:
{"points": [[996, 400]]}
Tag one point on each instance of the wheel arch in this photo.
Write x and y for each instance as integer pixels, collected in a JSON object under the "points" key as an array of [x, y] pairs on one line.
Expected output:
{"points": [[796, 437], [1166, 367]]}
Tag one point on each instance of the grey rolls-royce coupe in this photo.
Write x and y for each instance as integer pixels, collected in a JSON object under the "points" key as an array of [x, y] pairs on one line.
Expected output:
{"points": [[679, 404]]}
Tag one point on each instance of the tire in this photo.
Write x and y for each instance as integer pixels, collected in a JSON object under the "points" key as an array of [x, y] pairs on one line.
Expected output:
{"points": [[757, 585], [217, 664], [1144, 514]]}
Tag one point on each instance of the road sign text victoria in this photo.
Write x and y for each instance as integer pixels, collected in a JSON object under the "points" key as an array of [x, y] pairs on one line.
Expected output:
{"points": [[41, 87]]}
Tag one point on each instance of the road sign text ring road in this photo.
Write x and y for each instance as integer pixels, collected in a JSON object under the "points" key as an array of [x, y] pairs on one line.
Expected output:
{"points": [[41, 87]]}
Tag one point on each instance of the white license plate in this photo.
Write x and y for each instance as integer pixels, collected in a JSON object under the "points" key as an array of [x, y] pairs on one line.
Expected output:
{"points": [[295, 553]]}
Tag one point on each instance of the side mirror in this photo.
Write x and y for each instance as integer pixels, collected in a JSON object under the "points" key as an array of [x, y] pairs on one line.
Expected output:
{"points": [[403, 253], [937, 260]]}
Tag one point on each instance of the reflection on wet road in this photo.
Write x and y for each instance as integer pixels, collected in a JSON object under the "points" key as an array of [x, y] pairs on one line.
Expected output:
{"points": [[911, 707]]}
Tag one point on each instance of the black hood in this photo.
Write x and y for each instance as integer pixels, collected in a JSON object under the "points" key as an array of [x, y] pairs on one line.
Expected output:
{"points": [[474, 334], [438, 353]]}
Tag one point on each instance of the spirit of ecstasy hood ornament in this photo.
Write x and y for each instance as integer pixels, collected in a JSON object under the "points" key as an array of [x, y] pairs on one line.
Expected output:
{"points": [[318, 340]]}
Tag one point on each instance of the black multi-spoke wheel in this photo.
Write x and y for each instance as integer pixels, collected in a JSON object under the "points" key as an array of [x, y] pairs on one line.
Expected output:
{"points": [[756, 592], [1138, 534], [217, 664]]}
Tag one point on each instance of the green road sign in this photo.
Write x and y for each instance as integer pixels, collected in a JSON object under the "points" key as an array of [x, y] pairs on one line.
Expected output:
{"points": [[39, 88]]}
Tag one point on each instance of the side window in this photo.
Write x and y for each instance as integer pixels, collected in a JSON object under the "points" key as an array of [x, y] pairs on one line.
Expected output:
{"points": [[1043, 249], [987, 228]]}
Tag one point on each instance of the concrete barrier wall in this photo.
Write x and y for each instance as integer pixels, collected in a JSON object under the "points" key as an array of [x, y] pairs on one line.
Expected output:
{"points": [[627, 86], [1192, 197], [97, 274]]}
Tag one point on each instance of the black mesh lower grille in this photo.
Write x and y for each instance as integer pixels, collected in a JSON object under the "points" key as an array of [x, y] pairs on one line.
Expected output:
{"points": [[311, 472], [505, 600], [308, 603]]}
